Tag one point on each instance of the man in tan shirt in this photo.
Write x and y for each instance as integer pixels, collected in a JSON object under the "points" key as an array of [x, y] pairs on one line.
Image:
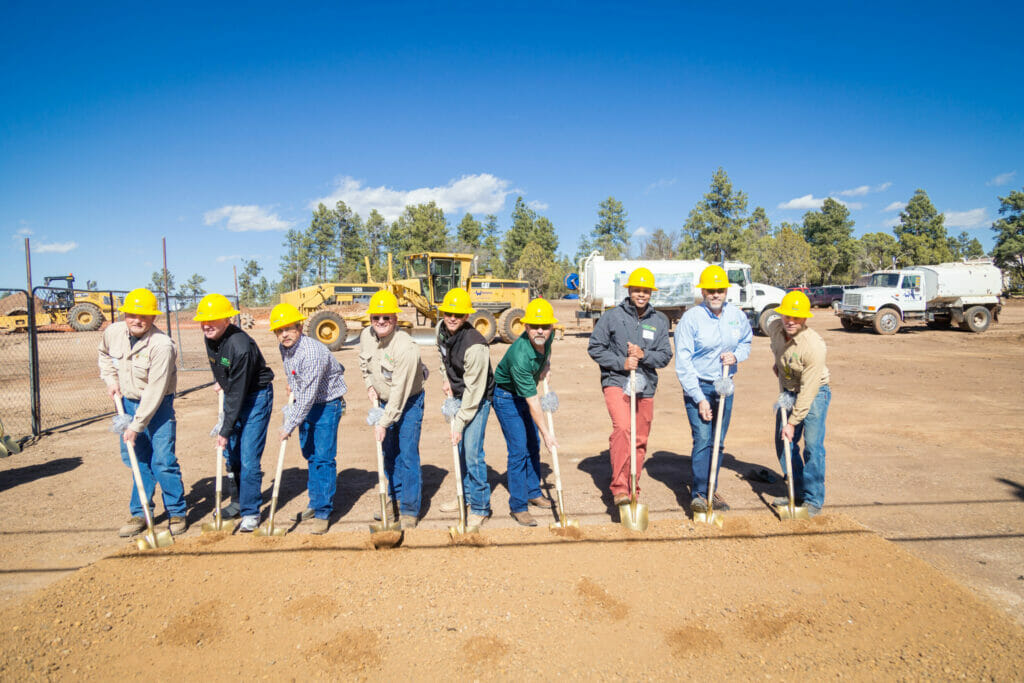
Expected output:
{"points": [[137, 362], [799, 354], [390, 364]]}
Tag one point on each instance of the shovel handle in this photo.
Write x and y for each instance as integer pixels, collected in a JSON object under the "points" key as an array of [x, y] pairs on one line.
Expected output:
{"points": [[632, 435], [137, 475], [554, 451], [713, 475], [788, 449]]}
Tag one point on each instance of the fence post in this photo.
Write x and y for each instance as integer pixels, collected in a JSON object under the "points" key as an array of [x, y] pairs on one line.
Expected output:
{"points": [[33, 345]]}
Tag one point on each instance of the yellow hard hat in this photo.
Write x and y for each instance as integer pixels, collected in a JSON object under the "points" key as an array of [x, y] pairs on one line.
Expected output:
{"points": [[713, 277], [383, 303], [214, 307], [539, 312], [641, 277], [283, 315], [140, 301], [796, 305], [456, 301]]}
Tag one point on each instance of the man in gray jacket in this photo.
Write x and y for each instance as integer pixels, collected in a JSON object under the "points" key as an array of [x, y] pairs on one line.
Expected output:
{"points": [[631, 336]]}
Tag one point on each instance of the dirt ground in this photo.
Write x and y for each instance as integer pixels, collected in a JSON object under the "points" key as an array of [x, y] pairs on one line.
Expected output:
{"points": [[916, 570]]}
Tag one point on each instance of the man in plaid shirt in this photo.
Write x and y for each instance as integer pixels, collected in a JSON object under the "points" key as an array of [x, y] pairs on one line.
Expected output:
{"points": [[316, 379]]}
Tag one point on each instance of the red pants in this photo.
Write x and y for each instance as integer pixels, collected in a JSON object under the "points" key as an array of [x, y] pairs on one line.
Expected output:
{"points": [[618, 443]]}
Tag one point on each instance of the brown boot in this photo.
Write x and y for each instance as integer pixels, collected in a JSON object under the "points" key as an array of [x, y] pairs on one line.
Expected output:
{"points": [[134, 525], [540, 503], [177, 525], [524, 518], [318, 526]]}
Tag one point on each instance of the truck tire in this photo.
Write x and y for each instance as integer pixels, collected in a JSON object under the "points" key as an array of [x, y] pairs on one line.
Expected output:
{"points": [[977, 319], [485, 324], [888, 321], [510, 324], [85, 317], [246, 321], [766, 318], [329, 328], [849, 324]]}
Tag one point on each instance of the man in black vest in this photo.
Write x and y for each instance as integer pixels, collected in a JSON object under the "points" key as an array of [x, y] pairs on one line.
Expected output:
{"points": [[466, 361]]}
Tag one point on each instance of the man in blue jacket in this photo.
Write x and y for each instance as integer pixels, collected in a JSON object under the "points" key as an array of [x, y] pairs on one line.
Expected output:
{"points": [[631, 336]]}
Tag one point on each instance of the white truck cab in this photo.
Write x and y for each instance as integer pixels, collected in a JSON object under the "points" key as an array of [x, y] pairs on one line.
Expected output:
{"points": [[757, 300]]}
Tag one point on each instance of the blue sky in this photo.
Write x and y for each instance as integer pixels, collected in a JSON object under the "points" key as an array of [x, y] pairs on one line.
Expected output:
{"points": [[219, 125]]}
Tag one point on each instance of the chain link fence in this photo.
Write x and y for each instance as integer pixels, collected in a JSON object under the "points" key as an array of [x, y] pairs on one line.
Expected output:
{"points": [[49, 375]]}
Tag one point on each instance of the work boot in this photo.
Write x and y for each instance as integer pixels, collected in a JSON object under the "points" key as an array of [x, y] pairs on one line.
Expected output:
{"points": [[720, 503], [449, 505], [392, 509], [318, 526], [813, 510], [307, 515], [473, 520], [540, 502], [524, 518], [249, 524], [408, 522], [177, 525], [699, 504], [134, 525]]}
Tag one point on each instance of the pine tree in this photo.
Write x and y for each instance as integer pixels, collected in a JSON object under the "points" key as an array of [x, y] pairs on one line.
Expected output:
{"points": [[830, 234], [1008, 251], [715, 225], [609, 235], [469, 232], [321, 238], [351, 244], [921, 233]]}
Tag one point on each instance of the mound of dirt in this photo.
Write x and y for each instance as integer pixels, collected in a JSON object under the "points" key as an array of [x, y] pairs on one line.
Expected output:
{"points": [[824, 598], [16, 302]]}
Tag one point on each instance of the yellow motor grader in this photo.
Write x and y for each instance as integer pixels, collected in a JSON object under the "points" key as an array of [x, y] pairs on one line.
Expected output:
{"points": [[84, 311]]}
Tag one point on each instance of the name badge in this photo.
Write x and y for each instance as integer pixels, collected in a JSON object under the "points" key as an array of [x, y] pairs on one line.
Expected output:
{"points": [[648, 334]]}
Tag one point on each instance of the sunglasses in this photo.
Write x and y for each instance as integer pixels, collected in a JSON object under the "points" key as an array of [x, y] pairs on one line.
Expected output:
{"points": [[380, 318], [539, 327], [716, 291], [459, 316]]}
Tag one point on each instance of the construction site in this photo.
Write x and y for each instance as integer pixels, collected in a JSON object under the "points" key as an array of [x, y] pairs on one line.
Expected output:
{"points": [[914, 570]]}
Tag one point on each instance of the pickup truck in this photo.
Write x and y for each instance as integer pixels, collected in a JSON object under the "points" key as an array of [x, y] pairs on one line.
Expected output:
{"points": [[963, 293]]}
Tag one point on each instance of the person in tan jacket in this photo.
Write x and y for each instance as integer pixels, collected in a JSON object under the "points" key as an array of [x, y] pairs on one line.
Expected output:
{"points": [[799, 364], [137, 363], [393, 373]]}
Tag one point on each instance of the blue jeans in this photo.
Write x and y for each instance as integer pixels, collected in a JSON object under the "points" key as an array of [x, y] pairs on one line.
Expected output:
{"points": [[402, 457], [154, 449], [809, 471], [318, 436], [703, 438], [523, 442], [471, 457], [245, 448]]}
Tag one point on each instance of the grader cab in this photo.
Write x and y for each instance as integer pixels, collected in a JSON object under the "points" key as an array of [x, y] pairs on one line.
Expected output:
{"points": [[84, 311]]}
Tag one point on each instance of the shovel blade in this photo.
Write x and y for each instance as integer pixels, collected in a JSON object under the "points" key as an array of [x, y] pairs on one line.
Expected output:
{"points": [[381, 527], [799, 512], [716, 518], [224, 525], [269, 531], [461, 530], [633, 516], [148, 542]]}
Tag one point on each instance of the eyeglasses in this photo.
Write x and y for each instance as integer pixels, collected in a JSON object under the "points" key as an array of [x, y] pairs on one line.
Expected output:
{"points": [[539, 327], [380, 318], [459, 316], [716, 291]]}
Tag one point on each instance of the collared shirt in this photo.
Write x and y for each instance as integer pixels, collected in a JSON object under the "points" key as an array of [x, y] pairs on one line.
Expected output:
{"points": [[466, 362], [800, 362], [393, 368], [520, 367], [144, 369], [702, 338], [314, 376]]}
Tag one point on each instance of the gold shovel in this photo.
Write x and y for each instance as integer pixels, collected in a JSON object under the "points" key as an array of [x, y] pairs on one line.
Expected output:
{"points": [[219, 523], [152, 539], [712, 517], [461, 529], [633, 515], [791, 511], [269, 529], [563, 521], [384, 534]]}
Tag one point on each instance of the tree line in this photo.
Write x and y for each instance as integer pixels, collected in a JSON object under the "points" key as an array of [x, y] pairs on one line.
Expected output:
{"points": [[821, 249]]}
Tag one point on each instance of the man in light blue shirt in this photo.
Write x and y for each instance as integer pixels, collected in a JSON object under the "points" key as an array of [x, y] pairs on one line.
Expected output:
{"points": [[709, 336]]}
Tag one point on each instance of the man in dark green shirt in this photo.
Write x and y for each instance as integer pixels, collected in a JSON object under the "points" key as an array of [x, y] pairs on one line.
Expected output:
{"points": [[517, 406]]}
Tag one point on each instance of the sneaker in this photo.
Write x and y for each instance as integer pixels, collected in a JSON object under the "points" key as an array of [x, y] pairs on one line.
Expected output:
{"points": [[720, 503], [306, 515], [449, 505], [524, 518], [134, 525], [540, 503], [813, 510], [699, 504], [473, 520], [318, 526], [408, 522], [230, 511], [177, 525], [249, 524]]}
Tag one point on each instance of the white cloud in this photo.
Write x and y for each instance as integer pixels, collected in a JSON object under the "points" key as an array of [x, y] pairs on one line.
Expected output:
{"points": [[660, 184], [538, 205], [807, 202], [974, 218], [896, 206], [479, 193], [233, 257], [883, 187], [891, 222], [853, 206], [247, 218], [24, 232], [55, 248], [1002, 179], [855, 192], [641, 231]]}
